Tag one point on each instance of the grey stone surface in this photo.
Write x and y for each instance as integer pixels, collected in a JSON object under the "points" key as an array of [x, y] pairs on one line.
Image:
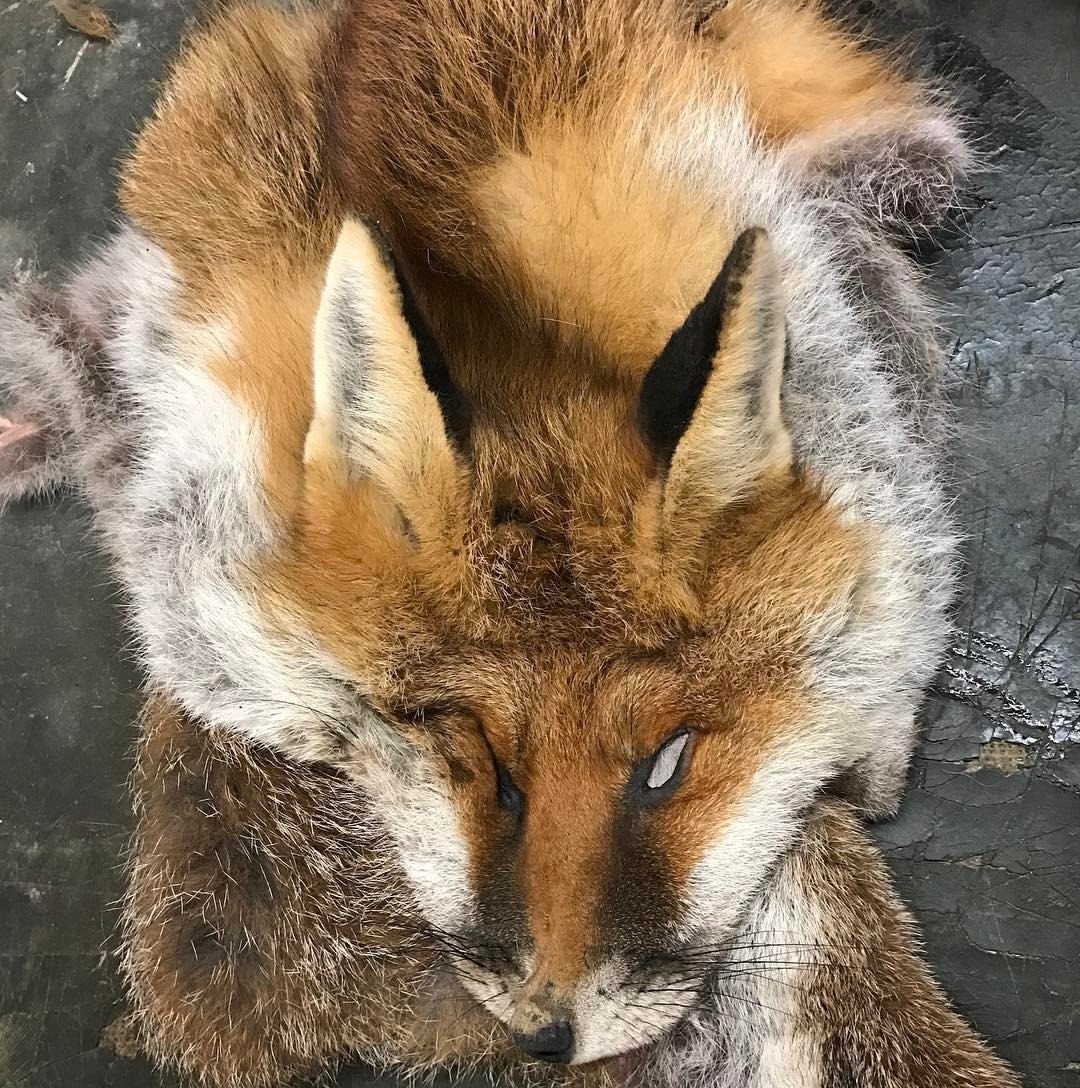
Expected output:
{"points": [[1037, 43], [987, 846]]}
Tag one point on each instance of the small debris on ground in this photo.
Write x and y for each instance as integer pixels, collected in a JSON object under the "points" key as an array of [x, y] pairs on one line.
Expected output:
{"points": [[85, 17], [1003, 755], [122, 1037], [75, 63]]}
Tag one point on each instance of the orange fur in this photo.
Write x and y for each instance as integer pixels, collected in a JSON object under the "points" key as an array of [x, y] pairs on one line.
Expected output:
{"points": [[227, 175], [799, 72], [551, 598]]}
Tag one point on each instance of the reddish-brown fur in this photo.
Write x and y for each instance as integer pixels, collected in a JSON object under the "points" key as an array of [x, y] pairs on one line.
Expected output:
{"points": [[263, 935], [537, 604], [881, 1017]]}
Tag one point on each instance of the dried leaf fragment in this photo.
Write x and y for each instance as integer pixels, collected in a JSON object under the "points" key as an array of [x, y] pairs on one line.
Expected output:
{"points": [[1003, 756], [85, 17], [122, 1037]]}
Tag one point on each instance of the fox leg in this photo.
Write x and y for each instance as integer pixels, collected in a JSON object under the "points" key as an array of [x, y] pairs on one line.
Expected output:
{"points": [[16, 438], [32, 358], [28, 461], [58, 396]]}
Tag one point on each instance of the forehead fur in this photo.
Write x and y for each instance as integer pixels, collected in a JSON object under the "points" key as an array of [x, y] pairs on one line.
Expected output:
{"points": [[549, 542], [523, 585]]}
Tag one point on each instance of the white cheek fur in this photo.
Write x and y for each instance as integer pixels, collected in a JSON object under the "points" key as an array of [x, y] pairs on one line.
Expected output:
{"points": [[763, 824], [420, 820]]}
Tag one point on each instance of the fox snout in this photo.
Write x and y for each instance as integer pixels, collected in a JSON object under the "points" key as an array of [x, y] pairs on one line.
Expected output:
{"points": [[611, 1009], [552, 1042], [580, 908], [541, 1023]]}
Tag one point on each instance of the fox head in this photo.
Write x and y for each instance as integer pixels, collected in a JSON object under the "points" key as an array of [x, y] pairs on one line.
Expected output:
{"points": [[584, 636]]}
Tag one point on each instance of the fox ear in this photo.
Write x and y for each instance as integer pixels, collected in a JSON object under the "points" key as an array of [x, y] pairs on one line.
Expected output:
{"points": [[710, 403], [386, 406]]}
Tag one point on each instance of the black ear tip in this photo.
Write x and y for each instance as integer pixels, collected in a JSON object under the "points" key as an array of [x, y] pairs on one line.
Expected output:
{"points": [[746, 247], [456, 406], [380, 240]]}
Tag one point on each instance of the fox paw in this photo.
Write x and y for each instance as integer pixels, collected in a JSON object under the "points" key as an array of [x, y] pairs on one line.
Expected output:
{"points": [[27, 463]]}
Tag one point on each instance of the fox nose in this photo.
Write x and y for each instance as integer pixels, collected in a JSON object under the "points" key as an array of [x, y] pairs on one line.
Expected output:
{"points": [[553, 1042]]}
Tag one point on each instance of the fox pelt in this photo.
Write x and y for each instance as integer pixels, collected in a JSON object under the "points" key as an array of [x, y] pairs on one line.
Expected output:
{"points": [[526, 413]]}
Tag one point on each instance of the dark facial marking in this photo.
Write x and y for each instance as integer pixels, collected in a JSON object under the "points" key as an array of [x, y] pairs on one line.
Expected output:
{"points": [[640, 906], [500, 896], [510, 797]]}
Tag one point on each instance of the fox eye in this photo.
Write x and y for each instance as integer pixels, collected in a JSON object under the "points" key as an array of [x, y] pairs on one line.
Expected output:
{"points": [[510, 797], [660, 775]]}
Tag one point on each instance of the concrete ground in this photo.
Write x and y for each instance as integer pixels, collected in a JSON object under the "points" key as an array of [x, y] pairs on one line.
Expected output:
{"points": [[987, 847]]}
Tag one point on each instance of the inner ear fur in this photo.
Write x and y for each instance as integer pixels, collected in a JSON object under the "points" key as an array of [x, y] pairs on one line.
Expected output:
{"points": [[710, 405], [386, 409]]}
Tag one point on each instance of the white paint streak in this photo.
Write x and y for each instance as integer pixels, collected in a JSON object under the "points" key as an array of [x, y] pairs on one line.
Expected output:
{"points": [[75, 63]]}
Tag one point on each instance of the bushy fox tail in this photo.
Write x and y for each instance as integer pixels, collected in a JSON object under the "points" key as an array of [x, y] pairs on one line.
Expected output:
{"points": [[850, 117]]}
